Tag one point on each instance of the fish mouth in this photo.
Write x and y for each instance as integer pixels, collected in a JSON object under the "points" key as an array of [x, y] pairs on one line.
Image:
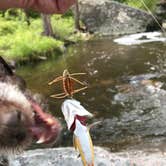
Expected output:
{"points": [[46, 128]]}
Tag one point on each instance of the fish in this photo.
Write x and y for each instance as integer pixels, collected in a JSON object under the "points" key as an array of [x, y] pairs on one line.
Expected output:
{"points": [[83, 144], [76, 115]]}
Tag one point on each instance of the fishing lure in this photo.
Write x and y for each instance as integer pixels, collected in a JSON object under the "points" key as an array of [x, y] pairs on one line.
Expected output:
{"points": [[75, 115], [68, 84]]}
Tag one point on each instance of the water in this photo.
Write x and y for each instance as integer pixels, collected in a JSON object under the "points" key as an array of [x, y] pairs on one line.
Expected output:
{"points": [[126, 90]]}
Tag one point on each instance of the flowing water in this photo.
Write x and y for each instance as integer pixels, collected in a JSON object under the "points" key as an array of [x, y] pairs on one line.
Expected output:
{"points": [[126, 91]]}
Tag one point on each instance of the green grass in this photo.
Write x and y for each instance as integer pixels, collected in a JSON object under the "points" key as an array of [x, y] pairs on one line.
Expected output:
{"points": [[139, 4], [63, 26], [22, 42]]}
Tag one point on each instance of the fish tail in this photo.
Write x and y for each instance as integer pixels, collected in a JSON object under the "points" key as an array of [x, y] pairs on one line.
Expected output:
{"points": [[92, 164], [92, 149]]}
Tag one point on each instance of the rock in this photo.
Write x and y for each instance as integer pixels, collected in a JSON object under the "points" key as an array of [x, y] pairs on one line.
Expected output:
{"points": [[68, 157], [161, 9], [164, 24], [58, 157], [107, 17], [161, 12], [139, 38]]}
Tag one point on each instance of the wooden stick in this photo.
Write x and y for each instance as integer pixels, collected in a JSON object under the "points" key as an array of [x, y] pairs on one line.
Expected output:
{"points": [[77, 80], [56, 80]]}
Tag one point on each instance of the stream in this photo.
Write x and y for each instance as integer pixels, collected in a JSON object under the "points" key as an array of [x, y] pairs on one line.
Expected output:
{"points": [[126, 91]]}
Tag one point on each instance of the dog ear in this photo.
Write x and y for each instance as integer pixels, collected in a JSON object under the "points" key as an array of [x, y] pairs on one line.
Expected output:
{"points": [[5, 69]]}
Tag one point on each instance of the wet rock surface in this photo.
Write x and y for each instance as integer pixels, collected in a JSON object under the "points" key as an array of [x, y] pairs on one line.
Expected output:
{"points": [[68, 157], [143, 116], [161, 10], [59, 157], [111, 18], [126, 92], [141, 38], [161, 13]]}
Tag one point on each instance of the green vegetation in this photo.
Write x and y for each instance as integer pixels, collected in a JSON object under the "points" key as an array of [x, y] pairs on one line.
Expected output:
{"points": [[21, 41], [139, 3]]}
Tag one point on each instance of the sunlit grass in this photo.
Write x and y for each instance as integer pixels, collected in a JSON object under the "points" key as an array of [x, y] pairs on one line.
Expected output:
{"points": [[20, 41], [140, 4], [63, 26], [29, 43]]}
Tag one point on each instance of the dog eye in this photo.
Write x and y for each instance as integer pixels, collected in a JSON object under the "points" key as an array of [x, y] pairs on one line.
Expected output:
{"points": [[19, 115]]}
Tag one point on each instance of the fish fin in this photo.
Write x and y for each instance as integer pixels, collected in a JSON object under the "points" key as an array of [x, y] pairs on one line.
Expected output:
{"points": [[75, 145], [81, 151], [79, 133], [92, 149], [94, 124], [74, 142]]}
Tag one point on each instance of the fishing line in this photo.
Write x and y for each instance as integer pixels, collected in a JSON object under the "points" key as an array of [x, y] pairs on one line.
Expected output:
{"points": [[64, 55], [155, 19]]}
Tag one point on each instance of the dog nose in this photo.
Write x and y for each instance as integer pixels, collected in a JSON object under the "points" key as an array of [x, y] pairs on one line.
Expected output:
{"points": [[19, 135]]}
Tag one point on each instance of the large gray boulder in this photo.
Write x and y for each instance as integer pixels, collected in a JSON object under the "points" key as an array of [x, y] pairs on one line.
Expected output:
{"points": [[59, 157], [68, 157], [108, 17], [161, 12]]}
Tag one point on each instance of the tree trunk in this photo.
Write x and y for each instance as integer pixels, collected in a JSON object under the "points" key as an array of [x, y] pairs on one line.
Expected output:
{"points": [[48, 31], [77, 16]]}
